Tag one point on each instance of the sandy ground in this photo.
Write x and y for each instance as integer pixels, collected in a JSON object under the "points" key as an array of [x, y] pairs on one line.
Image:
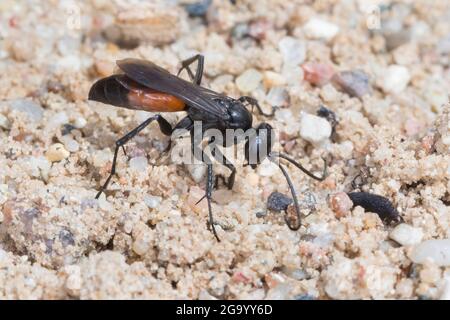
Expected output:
{"points": [[382, 67]]}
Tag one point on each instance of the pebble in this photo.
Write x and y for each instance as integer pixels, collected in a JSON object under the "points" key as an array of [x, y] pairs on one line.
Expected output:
{"points": [[278, 201], [80, 123], [4, 122], [197, 171], [72, 145], [152, 201], [292, 50], [314, 129], [198, 9], [317, 74], [317, 28], [406, 235], [395, 79], [28, 106], [341, 204], [355, 83], [139, 164], [58, 119], [258, 28], [267, 168], [396, 39], [278, 96], [437, 250], [249, 80], [273, 79], [57, 152]]}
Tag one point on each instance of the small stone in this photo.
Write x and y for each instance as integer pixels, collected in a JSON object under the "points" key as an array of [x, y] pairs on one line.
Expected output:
{"points": [[395, 79], [72, 145], [396, 39], [58, 119], [197, 171], [3, 193], [273, 79], [355, 83], [278, 96], [406, 235], [317, 28], [443, 46], [249, 80], [198, 9], [28, 106], [258, 28], [4, 122], [437, 250], [152, 201], [341, 204], [314, 129], [139, 164], [57, 152], [293, 50], [80, 123], [278, 201], [316, 73], [1, 217], [267, 168]]}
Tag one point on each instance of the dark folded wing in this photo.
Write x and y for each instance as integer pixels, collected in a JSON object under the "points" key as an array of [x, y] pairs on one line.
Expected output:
{"points": [[152, 76]]}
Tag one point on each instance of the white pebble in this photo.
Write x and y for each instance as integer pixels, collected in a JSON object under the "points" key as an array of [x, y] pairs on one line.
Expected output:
{"points": [[139, 164], [80, 123], [267, 168], [278, 96], [293, 50], [395, 79], [197, 171], [58, 119], [72, 145], [406, 235], [28, 106], [317, 28], [314, 129], [101, 157], [57, 152], [4, 122], [436, 250], [249, 80], [152, 201]]}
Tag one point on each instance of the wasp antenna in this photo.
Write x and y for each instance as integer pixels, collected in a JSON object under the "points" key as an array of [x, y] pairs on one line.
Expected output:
{"points": [[294, 196], [298, 165]]}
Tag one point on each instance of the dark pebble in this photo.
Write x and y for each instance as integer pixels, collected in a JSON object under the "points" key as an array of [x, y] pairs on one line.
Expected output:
{"points": [[198, 9], [66, 129], [355, 83], [278, 201]]}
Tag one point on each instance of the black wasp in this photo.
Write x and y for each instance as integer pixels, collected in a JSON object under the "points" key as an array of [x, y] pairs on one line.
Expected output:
{"points": [[142, 85]]}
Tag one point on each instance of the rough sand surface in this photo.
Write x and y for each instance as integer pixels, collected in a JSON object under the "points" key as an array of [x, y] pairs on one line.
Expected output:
{"points": [[384, 70]]}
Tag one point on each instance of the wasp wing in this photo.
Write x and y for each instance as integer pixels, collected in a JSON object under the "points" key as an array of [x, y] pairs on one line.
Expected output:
{"points": [[152, 76]]}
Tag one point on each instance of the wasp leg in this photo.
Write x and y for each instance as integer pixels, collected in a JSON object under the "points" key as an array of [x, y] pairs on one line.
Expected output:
{"points": [[165, 127], [254, 103], [185, 64], [209, 188], [218, 155]]}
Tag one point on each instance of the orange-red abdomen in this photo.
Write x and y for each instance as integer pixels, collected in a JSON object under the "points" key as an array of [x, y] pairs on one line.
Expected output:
{"points": [[154, 101]]}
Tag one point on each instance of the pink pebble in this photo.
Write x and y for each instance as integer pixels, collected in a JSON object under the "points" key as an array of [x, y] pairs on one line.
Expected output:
{"points": [[316, 73]]}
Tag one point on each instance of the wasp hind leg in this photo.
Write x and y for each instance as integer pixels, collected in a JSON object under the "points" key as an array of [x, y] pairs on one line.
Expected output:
{"points": [[165, 127], [185, 64]]}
